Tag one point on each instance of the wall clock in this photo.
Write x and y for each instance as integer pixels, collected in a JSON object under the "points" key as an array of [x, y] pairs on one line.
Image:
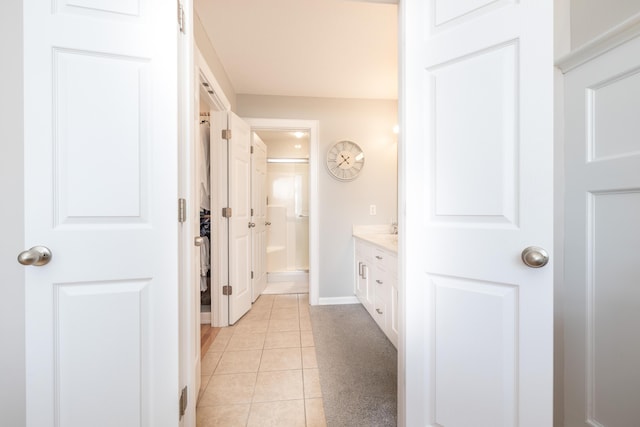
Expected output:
{"points": [[345, 160]]}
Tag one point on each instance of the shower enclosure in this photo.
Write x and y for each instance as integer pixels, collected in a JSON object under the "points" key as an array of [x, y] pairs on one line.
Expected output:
{"points": [[287, 205]]}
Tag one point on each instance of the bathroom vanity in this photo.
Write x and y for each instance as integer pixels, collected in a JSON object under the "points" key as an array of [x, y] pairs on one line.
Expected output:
{"points": [[376, 278]]}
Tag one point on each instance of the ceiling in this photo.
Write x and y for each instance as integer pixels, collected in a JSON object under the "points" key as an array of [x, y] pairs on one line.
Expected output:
{"points": [[315, 48]]}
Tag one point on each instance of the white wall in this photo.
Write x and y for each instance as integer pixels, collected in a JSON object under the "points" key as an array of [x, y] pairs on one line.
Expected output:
{"points": [[590, 18], [12, 364], [341, 204], [210, 55]]}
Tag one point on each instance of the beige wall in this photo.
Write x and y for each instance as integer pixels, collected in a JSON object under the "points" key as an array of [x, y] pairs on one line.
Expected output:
{"points": [[210, 55], [369, 123], [590, 18]]}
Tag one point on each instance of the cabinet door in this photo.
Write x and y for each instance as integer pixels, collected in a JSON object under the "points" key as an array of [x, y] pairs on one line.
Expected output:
{"points": [[363, 271]]}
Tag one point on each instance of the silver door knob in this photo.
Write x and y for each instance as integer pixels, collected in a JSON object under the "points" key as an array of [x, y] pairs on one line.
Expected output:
{"points": [[535, 257], [198, 241], [37, 256]]}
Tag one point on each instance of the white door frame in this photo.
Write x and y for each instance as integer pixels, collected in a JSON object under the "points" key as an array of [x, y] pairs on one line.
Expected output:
{"points": [[193, 73], [215, 97], [311, 126], [189, 337]]}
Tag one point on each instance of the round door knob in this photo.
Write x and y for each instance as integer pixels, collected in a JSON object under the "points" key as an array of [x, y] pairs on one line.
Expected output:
{"points": [[535, 257], [37, 255]]}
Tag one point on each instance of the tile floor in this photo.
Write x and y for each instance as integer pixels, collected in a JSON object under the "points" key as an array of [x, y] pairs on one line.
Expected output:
{"points": [[263, 371]]}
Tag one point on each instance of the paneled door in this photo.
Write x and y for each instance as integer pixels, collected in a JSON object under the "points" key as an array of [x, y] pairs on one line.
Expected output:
{"points": [[101, 193], [240, 222], [259, 219], [602, 298], [478, 115]]}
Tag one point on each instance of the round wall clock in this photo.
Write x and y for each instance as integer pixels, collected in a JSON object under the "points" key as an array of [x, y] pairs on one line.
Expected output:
{"points": [[345, 160]]}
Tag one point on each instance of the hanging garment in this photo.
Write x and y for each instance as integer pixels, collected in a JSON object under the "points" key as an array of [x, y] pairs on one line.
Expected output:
{"points": [[205, 263], [205, 166]]}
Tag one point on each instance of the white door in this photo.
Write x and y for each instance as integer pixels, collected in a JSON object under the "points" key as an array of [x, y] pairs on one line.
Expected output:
{"points": [[477, 140], [100, 85], [259, 209], [239, 223], [601, 294]]}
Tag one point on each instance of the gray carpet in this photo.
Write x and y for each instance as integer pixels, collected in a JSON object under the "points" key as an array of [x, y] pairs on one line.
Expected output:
{"points": [[358, 367]]}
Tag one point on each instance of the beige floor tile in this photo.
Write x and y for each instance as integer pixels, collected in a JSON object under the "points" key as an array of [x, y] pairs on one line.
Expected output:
{"points": [[290, 413], [284, 313], [305, 324], [233, 362], [304, 312], [227, 416], [227, 389], [254, 315], [222, 339], [209, 362], [311, 379], [314, 409], [280, 359], [253, 326], [285, 301], [306, 339], [284, 325], [278, 385], [282, 339], [204, 382], [309, 358], [246, 341]]}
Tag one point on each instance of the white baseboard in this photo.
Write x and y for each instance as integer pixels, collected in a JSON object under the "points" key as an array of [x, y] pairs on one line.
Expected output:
{"points": [[339, 300], [205, 317]]}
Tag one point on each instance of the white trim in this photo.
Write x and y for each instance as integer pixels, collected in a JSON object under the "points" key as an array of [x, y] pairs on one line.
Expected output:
{"points": [[313, 127], [609, 40], [339, 300], [217, 98], [205, 318]]}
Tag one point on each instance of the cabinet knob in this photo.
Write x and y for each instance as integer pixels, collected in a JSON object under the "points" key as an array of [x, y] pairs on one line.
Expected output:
{"points": [[379, 311], [379, 282]]}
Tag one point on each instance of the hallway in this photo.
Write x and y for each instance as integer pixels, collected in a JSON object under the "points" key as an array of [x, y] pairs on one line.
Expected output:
{"points": [[263, 370]]}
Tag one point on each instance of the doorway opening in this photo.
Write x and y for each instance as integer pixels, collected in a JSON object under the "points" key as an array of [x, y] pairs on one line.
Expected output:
{"points": [[287, 211], [292, 240]]}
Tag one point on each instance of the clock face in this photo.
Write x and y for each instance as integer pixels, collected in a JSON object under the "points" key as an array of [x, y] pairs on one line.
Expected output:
{"points": [[345, 160]]}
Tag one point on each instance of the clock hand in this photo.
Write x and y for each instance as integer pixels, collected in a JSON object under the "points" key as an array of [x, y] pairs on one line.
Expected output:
{"points": [[346, 159]]}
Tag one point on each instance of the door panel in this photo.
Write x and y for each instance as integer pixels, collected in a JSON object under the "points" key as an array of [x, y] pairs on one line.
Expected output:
{"points": [[259, 203], [101, 190], [239, 231], [479, 131], [602, 299]]}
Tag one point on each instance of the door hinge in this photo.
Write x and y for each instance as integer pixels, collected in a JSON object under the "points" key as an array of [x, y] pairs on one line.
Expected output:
{"points": [[182, 210], [181, 17], [252, 274], [227, 290], [183, 401], [226, 212], [252, 149], [226, 133]]}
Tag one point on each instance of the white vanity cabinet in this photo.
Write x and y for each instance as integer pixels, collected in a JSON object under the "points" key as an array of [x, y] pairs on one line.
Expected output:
{"points": [[376, 285]]}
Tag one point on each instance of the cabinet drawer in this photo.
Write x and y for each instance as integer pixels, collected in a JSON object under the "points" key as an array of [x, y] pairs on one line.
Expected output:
{"points": [[380, 313]]}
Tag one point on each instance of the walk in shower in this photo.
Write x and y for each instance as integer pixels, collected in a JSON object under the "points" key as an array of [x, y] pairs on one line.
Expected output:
{"points": [[287, 208]]}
